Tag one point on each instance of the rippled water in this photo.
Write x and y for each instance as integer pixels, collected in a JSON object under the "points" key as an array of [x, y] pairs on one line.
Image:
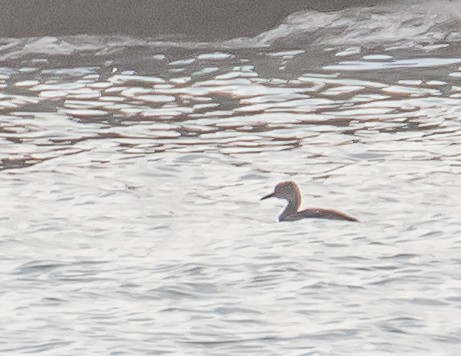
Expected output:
{"points": [[131, 175]]}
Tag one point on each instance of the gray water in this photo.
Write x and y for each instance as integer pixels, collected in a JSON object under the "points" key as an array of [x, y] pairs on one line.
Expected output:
{"points": [[132, 168]]}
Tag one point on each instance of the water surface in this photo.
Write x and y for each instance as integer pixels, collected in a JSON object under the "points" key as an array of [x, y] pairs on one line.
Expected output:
{"points": [[132, 170]]}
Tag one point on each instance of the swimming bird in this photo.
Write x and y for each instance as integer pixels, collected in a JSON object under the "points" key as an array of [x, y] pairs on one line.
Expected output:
{"points": [[290, 192]]}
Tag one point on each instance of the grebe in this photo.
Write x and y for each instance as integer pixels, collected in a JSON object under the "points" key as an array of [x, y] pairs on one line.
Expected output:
{"points": [[291, 193]]}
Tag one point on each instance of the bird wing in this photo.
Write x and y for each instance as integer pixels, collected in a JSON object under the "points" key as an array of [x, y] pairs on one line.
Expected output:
{"points": [[320, 213]]}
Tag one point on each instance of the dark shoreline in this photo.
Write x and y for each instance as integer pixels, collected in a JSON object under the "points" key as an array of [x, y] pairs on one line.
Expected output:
{"points": [[201, 19]]}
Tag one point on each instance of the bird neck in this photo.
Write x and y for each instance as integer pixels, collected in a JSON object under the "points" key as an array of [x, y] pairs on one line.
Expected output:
{"points": [[291, 208]]}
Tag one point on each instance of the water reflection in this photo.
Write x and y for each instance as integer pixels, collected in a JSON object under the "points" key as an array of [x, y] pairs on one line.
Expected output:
{"points": [[223, 109]]}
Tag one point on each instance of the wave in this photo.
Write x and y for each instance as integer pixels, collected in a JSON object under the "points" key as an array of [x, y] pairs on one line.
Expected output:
{"points": [[401, 24], [404, 22]]}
